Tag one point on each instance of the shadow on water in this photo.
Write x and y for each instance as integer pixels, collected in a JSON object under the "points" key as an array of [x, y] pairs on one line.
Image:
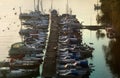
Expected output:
{"points": [[112, 56]]}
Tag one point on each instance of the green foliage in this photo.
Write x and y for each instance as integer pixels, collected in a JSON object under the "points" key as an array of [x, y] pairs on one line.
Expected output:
{"points": [[111, 13]]}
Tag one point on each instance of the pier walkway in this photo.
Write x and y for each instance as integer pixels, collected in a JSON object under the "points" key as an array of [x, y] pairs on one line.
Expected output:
{"points": [[49, 66], [93, 27]]}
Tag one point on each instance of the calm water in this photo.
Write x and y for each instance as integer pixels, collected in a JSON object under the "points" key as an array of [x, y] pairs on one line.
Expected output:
{"points": [[84, 9], [101, 68]]}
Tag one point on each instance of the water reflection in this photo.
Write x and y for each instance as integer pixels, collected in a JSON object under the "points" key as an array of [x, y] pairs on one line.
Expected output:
{"points": [[100, 34], [112, 54]]}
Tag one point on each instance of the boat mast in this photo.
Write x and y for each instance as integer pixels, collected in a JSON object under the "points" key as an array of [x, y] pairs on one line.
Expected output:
{"points": [[20, 10], [97, 2], [67, 7], [34, 6], [51, 5], [42, 7], [38, 5], [70, 11], [21, 25]]}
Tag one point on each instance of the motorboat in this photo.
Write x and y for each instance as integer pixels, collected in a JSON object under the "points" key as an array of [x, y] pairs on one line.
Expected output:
{"points": [[24, 64]]}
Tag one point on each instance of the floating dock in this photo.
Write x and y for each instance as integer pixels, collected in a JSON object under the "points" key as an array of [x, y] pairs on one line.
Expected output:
{"points": [[49, 66]]}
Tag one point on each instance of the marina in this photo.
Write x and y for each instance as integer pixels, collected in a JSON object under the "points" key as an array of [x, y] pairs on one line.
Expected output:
{"points": [[64, 41], [53, 44]]}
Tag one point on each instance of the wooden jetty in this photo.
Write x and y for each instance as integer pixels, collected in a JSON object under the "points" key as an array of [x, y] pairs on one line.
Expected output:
{"points": [[93, 27], [49, 66]]}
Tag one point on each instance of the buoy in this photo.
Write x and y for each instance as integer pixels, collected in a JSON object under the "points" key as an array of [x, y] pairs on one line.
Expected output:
{"points": [[13, 8], [15, 13], [8, 28], [3, 30]]}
